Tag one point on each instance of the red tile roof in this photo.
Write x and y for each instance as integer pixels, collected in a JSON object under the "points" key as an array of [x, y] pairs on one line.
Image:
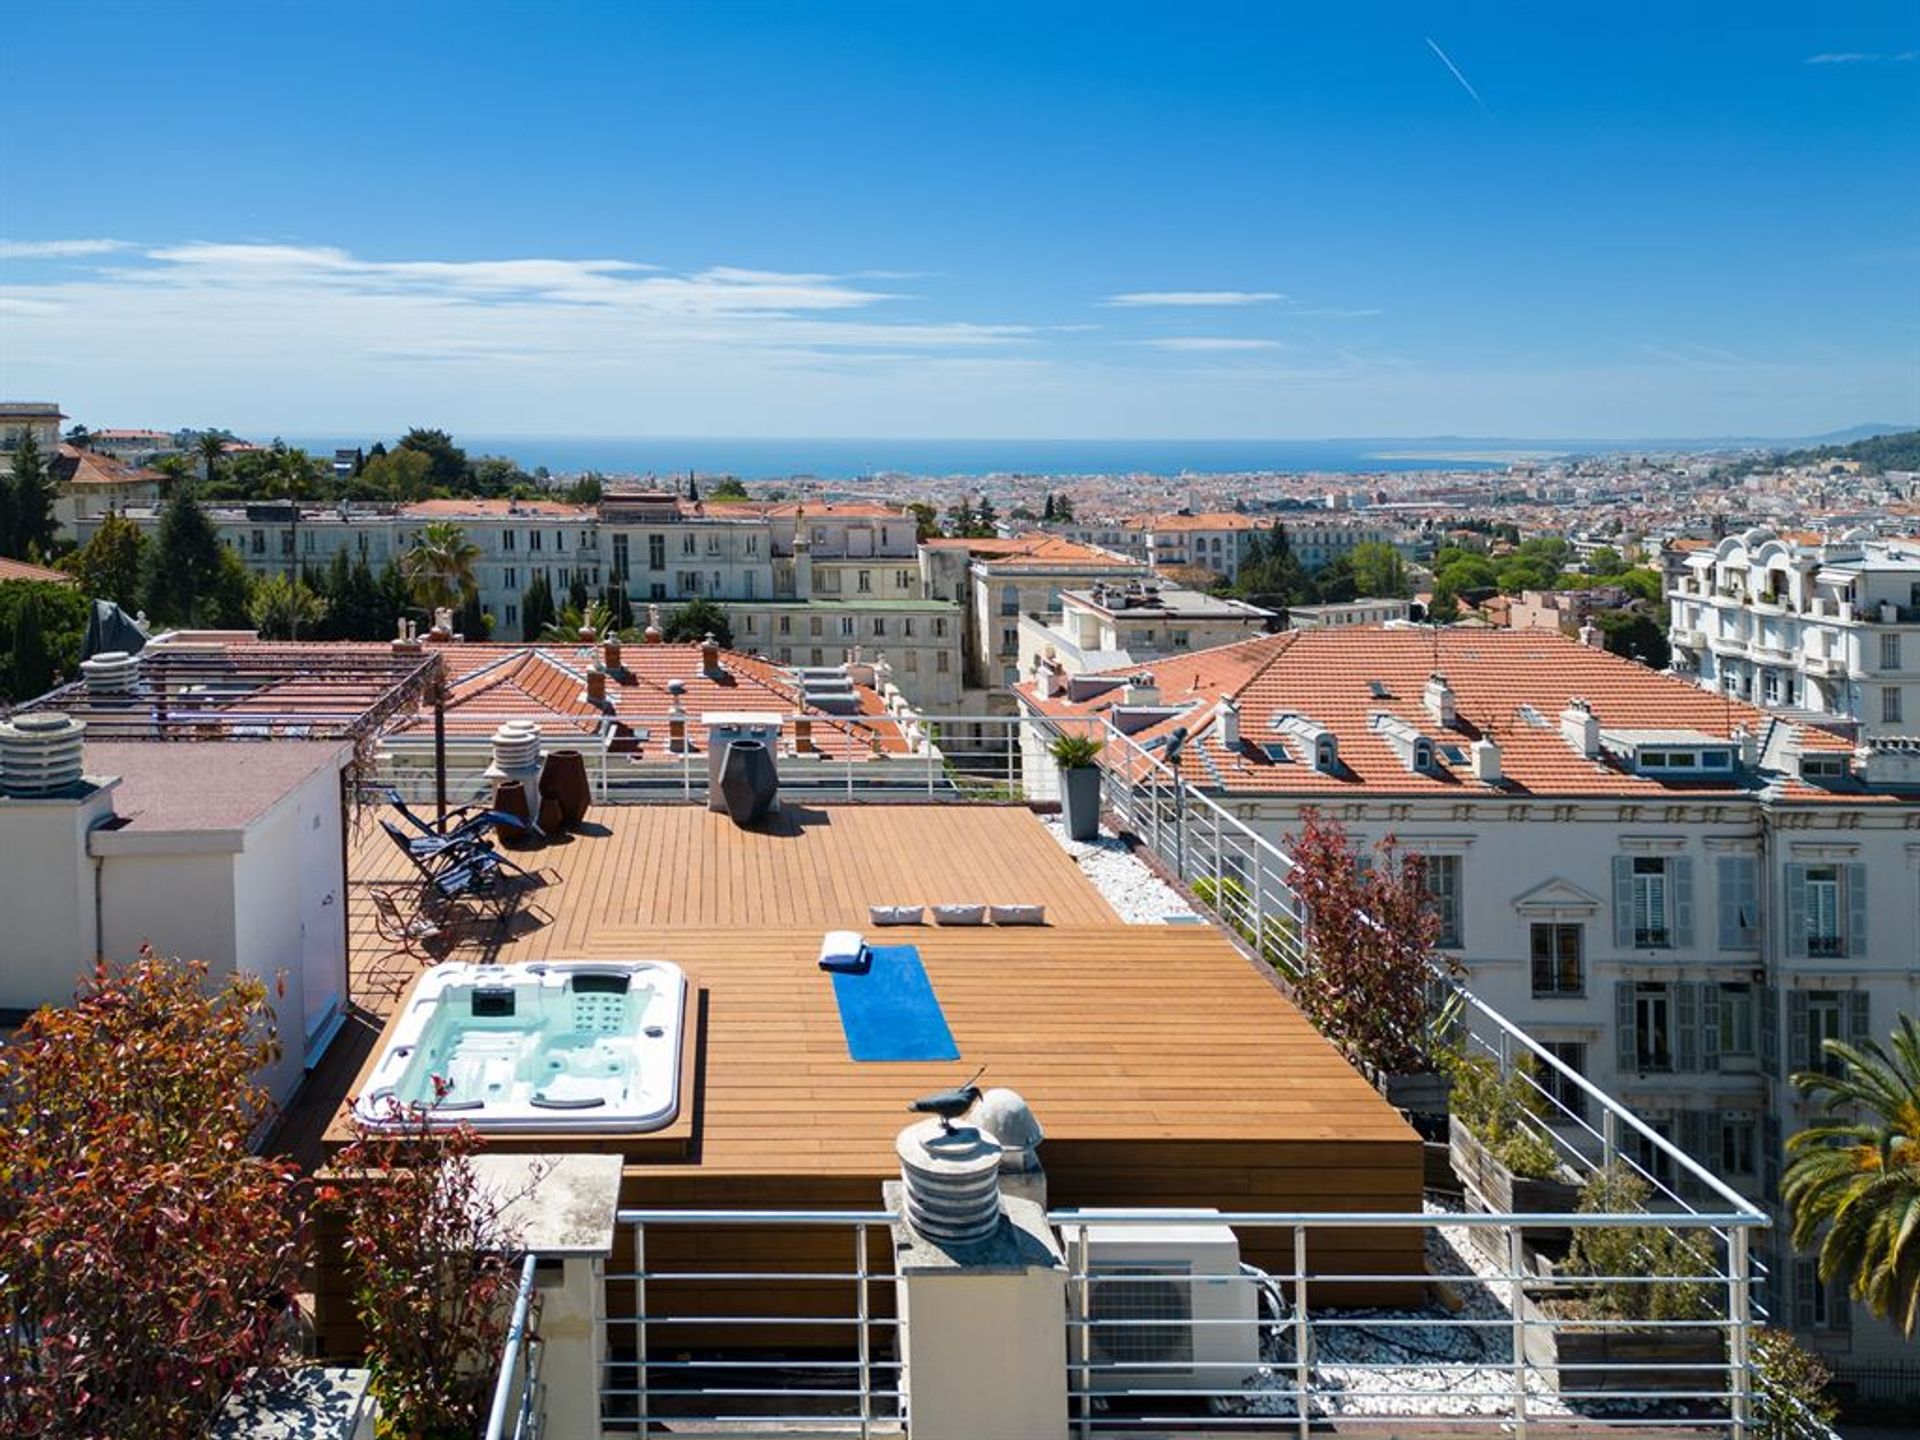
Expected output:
{"points": [[74, 466], [495, 509], [21, 570], [1510, 686]]}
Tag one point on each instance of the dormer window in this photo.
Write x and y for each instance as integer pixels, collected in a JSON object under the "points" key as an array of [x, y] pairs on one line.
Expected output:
{"points": [[1326, 755], [1824, 765], [1423, 754]]}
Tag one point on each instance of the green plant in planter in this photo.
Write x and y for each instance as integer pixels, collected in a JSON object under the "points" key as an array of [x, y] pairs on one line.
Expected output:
{"points": [[1502, 1112], [1685, 1261], [1074, 752], [1791, 1383], [1233, 903]]}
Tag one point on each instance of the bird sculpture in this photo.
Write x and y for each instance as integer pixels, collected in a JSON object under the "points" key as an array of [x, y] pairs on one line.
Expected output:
{"points": [[950, 1105]]}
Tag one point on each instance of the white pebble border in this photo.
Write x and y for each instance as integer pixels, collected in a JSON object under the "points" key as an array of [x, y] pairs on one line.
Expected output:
{"points": [[1135, 892]]}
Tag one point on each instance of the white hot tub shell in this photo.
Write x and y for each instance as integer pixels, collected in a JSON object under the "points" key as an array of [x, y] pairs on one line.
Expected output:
{"points": [[551, 1045]]}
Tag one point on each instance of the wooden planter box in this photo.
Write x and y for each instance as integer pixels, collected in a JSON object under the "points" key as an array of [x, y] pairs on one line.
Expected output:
{"points": [[1616, 1356], [1424, 1093], [1499, 1187]]}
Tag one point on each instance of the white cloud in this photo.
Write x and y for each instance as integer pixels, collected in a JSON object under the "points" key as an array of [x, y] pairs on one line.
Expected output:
{"points": [[58, 249], [1193, 298], [1203, 344], [1861, 57]]}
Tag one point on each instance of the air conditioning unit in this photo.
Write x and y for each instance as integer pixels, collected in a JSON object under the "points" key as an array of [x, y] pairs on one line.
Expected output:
{"points": [[1167, 1306]]}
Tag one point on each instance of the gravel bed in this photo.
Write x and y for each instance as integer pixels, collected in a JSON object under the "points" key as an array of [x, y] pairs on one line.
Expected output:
{"points": [[1140, 896]]}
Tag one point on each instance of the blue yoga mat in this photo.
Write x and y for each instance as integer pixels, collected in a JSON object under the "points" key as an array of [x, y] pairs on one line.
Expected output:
{"points": [[889, 1010]]}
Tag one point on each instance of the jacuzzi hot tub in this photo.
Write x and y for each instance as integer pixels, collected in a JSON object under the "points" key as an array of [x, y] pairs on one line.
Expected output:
{"points": [[552, 1045]]}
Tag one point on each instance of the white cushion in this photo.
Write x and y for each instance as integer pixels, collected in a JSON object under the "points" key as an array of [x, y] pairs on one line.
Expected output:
{"points": [[841, 945], [960, 914], [1018, 914], [895, 914]]}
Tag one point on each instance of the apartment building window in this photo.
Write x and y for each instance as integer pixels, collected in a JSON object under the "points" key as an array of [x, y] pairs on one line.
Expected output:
{"points": [[1889, 704], [786, 624], [747, 584], [507, 541], [533, 539], [865, 582], [1826, 911], [513, 614], [1817, 1016], [903, 580], [939, 627], [816, 625], [286, 542], [1560, 1088], [1652, 902], [753, 544], [1739, 1145], [846, 625], [717, 587], [906, 627], [1739, 898], [1009, 599], [689, 582], [1443, 890], [913, 661], [1770, 687], [620, 557], [689, 544], [879, 626], [786, 654], [657, 590], [713, 544], [560, 540], [1819, 1304], [1652, 1024], [1889, 652], [815, 653], [510, 578], [1736, 1022], [940, 662], [1009, 640], [656, 552], [1558, 964]]}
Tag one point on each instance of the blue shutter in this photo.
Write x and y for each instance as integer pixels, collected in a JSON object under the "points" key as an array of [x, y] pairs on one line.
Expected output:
{"points": [[1686, 1026], [1709, 1025], [1727, 894], [1770, 1029], [1856, 879], [1770, 1156], [1797, 911], [1859, 1020], [1625, 1053], [1680, 872], [1796, 1031], [1623, 902], [1805, 1278]]}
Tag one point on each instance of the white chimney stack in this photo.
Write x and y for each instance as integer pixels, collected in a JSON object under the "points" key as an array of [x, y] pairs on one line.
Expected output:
{"points": [[1486, 761], [1747, 746], [1440, 700], [1226, 723], [1581, 728]]}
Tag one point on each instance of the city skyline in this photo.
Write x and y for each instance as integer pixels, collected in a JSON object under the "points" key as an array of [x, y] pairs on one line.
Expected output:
{"points": [[1100, 224]]}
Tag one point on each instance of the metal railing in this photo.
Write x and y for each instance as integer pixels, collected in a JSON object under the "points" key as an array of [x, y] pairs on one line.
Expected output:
{"points": [[702, 1344], [518, 1409]]}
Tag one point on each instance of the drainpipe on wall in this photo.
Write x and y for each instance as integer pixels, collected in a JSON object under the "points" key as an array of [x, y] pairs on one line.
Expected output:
{"points": [[99, 911]]}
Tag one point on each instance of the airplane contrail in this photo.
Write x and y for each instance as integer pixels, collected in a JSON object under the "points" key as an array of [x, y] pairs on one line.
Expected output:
{"points": [[1465, 84]]}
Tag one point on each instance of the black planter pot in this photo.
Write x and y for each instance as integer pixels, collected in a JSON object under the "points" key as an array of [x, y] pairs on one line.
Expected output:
{"points": [[1080, 801], [748, 782]]}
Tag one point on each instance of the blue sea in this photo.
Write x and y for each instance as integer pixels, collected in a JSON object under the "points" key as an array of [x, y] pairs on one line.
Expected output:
{"points": [[850, 459]]}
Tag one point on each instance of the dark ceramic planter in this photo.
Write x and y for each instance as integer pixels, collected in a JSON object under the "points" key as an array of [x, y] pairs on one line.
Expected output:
{"points": [[748, 782], [1080, 801]]}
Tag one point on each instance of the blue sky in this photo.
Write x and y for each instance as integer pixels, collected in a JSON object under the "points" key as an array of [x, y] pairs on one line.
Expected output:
{"points": [[965, 220]]}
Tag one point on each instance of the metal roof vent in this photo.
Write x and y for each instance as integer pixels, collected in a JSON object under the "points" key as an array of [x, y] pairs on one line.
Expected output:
{"points": [[40, 754], [952, 1178], [111, 673], [1005, 1115]]}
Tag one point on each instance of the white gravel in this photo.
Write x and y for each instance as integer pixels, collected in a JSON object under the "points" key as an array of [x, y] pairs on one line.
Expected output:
{"points": [[1140, 897]]}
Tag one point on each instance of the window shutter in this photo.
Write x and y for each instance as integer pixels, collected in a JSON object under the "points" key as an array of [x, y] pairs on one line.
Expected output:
{"points": [[1859, 1021], [1686, 1026], [1727, 893], [1770, 1156], [1697, 1137], [1796, 1031], [1856, 876], [1680, 871], [1805, 1278], [1839, 1308], [1623, 902], [1709, 1025], [1797, 911], [1769, 1030], [1625, 1051]]}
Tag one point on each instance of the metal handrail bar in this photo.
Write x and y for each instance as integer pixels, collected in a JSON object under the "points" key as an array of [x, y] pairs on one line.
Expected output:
{"points": [[1403, 1219], [755, 1217], [504, 1401]]}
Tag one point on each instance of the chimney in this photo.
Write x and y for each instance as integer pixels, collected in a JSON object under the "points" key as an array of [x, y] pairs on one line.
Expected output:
{"points": [[1581, 728], [111, 675], [654, 633], [1747, 746], [710, 658], [597, 687], [585, 634], [1486, 761], [610, 653], [1140, 690], [1043, 680], [676, 718], [1226, 723], [1440, 700], [802, 734]]}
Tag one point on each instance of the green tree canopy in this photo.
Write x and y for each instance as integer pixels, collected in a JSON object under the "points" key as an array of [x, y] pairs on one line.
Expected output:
{"points": [[537, 609], [729, 489], [27, 526], [450, 471], [1378, 570], [184, 565], [692, 622], [439, 567], [42, 625], [283, 609], [1636, 635], [109, 565]]}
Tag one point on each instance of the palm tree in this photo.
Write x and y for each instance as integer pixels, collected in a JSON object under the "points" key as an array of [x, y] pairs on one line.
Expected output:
{"points": [[439, 567], [291, 479], [174, 471], [1858, 1179], [212, 450]]}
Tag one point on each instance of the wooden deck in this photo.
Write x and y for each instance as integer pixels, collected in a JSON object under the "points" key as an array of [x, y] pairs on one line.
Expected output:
{"points": [[1164, 1065]]}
